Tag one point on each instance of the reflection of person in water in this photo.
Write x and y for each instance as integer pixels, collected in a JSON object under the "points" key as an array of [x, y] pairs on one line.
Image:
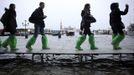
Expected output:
{"points": [[117, 25], [10, 24], [87, 19], [0, 42], [37, 18], [59, 34]]}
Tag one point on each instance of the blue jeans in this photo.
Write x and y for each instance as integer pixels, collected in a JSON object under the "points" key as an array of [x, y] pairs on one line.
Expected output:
{"points": [[38, 29]]}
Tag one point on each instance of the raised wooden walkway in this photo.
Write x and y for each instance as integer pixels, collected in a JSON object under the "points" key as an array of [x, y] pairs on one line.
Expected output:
{"points": [[81, 55]]}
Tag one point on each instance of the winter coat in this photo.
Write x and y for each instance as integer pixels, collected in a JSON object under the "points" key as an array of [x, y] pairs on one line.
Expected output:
{"points": [[115, 18], [87, 19], [37, 17], [9, 21]]}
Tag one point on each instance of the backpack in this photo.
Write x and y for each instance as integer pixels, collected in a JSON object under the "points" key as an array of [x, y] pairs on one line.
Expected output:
{"points": [[90, 19], [4, 21], [32, 18], [4, 18]]}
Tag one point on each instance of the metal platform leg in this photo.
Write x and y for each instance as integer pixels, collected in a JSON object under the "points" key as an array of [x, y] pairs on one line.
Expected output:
{"points": [[92, 59], [80, 58], [120, 58], [133, 57], [86, 59], [42, 58], [33, 57]]}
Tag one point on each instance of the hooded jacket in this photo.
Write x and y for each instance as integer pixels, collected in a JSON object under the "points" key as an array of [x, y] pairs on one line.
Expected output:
{"points": [[115, 18], [9, 20]]}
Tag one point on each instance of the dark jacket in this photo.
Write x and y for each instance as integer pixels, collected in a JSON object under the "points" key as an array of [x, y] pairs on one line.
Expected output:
{"points": [[9, 20], [87, 19], [115, 18], [38, 17]]}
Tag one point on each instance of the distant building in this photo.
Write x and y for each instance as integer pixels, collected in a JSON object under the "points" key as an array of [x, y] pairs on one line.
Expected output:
{"points": [[103, 31]]}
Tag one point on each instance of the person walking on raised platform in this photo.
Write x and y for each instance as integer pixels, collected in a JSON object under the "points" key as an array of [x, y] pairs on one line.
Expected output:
{"points": [[9, 21], [87, 19], [37, 18], [117, 25]]}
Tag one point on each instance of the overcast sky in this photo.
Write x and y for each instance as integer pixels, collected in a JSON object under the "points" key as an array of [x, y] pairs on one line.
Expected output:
{"points": [[68, 12]]}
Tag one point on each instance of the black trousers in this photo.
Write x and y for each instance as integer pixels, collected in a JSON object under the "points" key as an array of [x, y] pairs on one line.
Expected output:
{"points": [[38, 29], [117, 30], [12, 30], [87, 31]]}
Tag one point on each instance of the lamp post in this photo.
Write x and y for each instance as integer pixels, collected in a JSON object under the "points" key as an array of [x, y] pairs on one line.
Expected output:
{"points": [[25, 24]]}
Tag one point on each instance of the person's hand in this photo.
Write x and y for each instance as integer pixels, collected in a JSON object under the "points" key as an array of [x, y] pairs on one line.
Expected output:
{"points": [[127, 6], [45, 16], [81, 32], [90, 15]]}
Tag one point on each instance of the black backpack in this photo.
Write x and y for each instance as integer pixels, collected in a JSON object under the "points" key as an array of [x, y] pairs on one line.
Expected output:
{"points": [[4, 18], [32, 18]]}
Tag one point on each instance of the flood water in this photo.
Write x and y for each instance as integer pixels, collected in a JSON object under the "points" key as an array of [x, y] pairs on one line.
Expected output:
{"points": [[9, 65]]}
